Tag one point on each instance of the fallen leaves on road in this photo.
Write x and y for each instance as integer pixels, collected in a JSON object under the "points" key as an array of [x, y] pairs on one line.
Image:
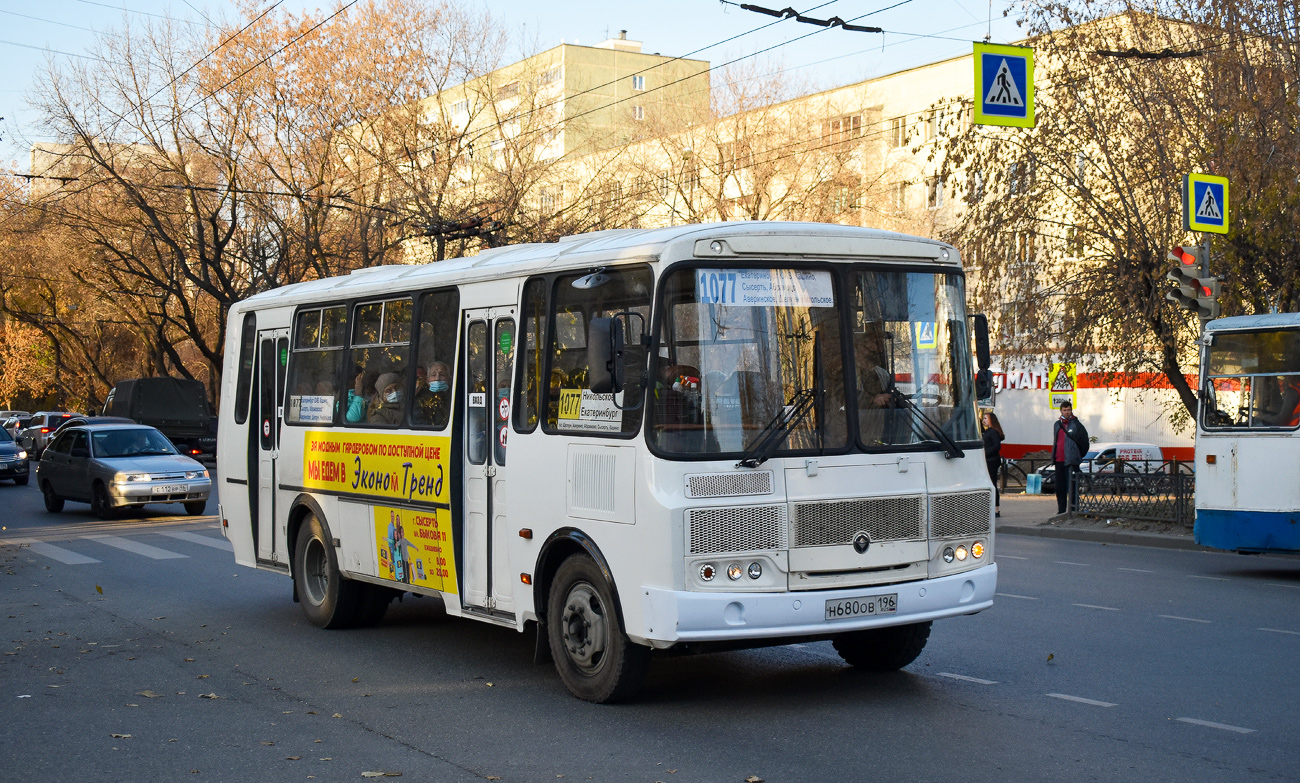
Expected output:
{"points": [[99, 589], [266, 742], [189, 660], [209, 696], [121, 736], [393, 775], [149, 695], [1050, 656], [753, 779], [337, 715], [203, 676], [292, 758]]}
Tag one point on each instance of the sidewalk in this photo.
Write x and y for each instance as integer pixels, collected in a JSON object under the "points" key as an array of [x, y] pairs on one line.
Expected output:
{"points": [[1035, 515]]}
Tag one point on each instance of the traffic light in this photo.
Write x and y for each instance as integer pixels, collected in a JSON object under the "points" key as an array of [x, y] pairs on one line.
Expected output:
{"points": [[1197, 290]]}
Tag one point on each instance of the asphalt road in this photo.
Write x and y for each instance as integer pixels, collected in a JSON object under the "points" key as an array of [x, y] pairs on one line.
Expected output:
{"points": [[1096, 663]]}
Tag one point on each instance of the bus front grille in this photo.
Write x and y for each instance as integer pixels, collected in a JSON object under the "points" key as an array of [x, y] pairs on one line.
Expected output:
{"points": [[736, 529], [838, 521], [962, 514]]}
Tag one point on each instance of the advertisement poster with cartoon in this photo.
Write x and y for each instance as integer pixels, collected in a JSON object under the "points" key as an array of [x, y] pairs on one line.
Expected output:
{"points": [[415, 547]]}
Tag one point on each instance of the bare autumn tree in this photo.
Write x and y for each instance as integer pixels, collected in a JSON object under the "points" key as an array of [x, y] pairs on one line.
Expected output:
{"points": [[198, 169], [1069, 223]]}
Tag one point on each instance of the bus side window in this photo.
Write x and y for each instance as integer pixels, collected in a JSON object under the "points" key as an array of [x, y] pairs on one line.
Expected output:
{"points": [[244, 385], [378, 367], [319, 337], [529, 387], [436, 349]]}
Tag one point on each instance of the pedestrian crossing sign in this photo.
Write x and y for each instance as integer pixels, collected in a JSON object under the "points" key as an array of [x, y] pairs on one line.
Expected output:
{"points": [[1004, 85], [926, 340], [1205, 203], [1062, 383]]}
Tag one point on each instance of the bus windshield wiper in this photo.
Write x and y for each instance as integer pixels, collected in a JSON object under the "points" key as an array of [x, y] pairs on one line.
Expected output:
{"points": [[774, 434], [950, 448]]}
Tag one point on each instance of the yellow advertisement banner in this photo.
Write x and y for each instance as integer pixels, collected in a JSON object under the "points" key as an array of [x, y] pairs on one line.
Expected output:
{"points": [[415, 547], [407, 467]]}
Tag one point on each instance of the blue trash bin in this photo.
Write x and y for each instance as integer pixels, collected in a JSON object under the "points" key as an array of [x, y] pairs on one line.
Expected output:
{"points": [[1033, 484]]}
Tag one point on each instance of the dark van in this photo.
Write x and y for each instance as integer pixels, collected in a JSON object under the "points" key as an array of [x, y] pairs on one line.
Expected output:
{"points": [[176, 406]]}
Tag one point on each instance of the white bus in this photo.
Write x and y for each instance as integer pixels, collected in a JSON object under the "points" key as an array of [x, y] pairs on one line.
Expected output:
{"points": [[691, 438], [1248, 435]]}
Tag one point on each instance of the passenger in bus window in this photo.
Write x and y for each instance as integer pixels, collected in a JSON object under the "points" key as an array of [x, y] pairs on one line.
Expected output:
{"points": [[1288, 411], [433, 400], [386, 407], [358, 400]]}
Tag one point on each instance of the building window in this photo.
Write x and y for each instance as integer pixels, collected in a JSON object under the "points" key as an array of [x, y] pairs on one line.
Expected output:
{"points": [[934, 124], [510, 90], [460, 107], [549, 199], [934, 192], [898, 197], [550, 75], [897, 132], [976, 187], [1073, 242], [843, 199], [842, 128], [638, 83], [638, 112]]}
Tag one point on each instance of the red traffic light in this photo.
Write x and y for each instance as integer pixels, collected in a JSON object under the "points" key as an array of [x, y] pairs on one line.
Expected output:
{"points": [[1185, 255]]}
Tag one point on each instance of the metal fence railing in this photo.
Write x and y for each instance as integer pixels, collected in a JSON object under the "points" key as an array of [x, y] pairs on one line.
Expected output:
{"points": [[1162, 492]]}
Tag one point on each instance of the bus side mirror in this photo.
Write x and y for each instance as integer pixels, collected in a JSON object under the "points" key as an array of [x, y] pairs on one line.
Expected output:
{"points": [[605, 348], [982, 358], [984, 387]]}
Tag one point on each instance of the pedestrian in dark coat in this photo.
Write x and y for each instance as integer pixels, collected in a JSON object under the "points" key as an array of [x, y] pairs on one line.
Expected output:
{"points": [[1069, 444], [993, 437]]}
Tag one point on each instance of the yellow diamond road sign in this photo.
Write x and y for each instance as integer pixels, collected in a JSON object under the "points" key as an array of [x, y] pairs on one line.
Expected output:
{"points": [[1004, 85]]}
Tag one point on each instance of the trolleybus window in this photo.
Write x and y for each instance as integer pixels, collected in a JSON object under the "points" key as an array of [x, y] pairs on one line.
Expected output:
{"points": [[571, 406], [1252, 380], [319, 339], [244, 384], [381, 340], [436, 349], [532, 337]]}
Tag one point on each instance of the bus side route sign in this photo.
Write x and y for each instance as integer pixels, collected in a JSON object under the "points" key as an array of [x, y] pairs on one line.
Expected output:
{"points": [[1004, 85]]}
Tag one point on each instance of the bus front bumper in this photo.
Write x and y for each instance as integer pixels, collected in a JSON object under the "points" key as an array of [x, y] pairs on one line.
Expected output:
{"points": [[673, 616]]}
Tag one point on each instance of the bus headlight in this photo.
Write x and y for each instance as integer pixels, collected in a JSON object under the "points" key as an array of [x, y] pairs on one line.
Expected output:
{"points": [[734, 571], [977, 549], [961, 553], [948, 554], [755, 570], [707, 572]]}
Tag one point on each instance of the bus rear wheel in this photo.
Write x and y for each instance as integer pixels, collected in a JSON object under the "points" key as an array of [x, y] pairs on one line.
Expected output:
{"points": [[883, 649], [595, 659], [328, 600]]}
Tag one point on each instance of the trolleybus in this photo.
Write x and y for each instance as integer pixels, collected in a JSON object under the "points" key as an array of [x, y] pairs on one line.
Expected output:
{"points": [[1248, 435], [681, 439]]}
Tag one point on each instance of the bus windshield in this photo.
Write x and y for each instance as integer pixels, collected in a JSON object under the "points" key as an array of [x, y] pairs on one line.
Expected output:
{"points": [[1252, 380], [740, 348]]}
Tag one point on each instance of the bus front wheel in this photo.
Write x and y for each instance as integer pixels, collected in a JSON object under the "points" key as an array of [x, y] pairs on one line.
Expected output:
{"points": [[328, 600], [595, 659], [883, 649]]}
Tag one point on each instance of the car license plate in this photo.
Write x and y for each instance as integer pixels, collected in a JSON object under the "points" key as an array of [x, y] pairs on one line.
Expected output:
{"points": [[866, 606], [171, 489]]}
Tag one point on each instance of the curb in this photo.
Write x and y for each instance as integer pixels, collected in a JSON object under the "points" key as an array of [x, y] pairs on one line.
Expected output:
{"points": [[1128, 537]]}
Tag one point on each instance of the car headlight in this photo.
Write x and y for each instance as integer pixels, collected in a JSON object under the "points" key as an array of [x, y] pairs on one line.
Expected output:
{"points": [[194, 474], [128, 478], [22, 455]]}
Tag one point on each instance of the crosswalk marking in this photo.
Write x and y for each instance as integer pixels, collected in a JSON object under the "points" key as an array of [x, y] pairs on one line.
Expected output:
{"points": [[965, 678], [137, 547], [66, 556], [195, 538], [1213, 725], [1081, 700]]}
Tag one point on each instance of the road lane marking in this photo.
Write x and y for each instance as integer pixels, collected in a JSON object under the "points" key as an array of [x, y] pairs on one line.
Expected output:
{"points": [[1211, 578], [65, 556], [1081, 700], [1094, 606], [1279, 584], [1138, 570], [1009, 557], [964, 678], [1279, 630], [1013, 595], [136, 547], [1067, 562], [1188, 619], [1214, 725], [195, 538]]}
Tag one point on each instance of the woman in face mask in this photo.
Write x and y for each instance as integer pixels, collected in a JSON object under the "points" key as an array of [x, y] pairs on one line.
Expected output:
{"points": [[433, 402], [386, 407]]}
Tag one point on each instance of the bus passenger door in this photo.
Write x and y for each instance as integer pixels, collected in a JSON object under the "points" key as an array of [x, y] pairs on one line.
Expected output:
{"points": [[272, 360], [489, 359]]}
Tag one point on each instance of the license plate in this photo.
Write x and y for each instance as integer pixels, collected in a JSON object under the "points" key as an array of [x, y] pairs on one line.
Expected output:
{"points": [[845, 608], [171, 489]]}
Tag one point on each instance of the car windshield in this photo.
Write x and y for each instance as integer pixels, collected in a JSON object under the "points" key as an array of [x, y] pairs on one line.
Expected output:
{"points": [[130, 443]]}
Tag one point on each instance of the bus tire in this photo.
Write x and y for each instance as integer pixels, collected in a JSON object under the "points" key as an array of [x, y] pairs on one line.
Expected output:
{"points": [[883, 649], [595, 659], [328, 600]]}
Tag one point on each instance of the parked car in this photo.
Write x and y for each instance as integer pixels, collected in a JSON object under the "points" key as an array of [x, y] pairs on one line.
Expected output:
{"points": [[78, 420], [13, 424], [7, 414], [13, 460], [112, 465], [176, 406], [1105, 458], [36, 433]]}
